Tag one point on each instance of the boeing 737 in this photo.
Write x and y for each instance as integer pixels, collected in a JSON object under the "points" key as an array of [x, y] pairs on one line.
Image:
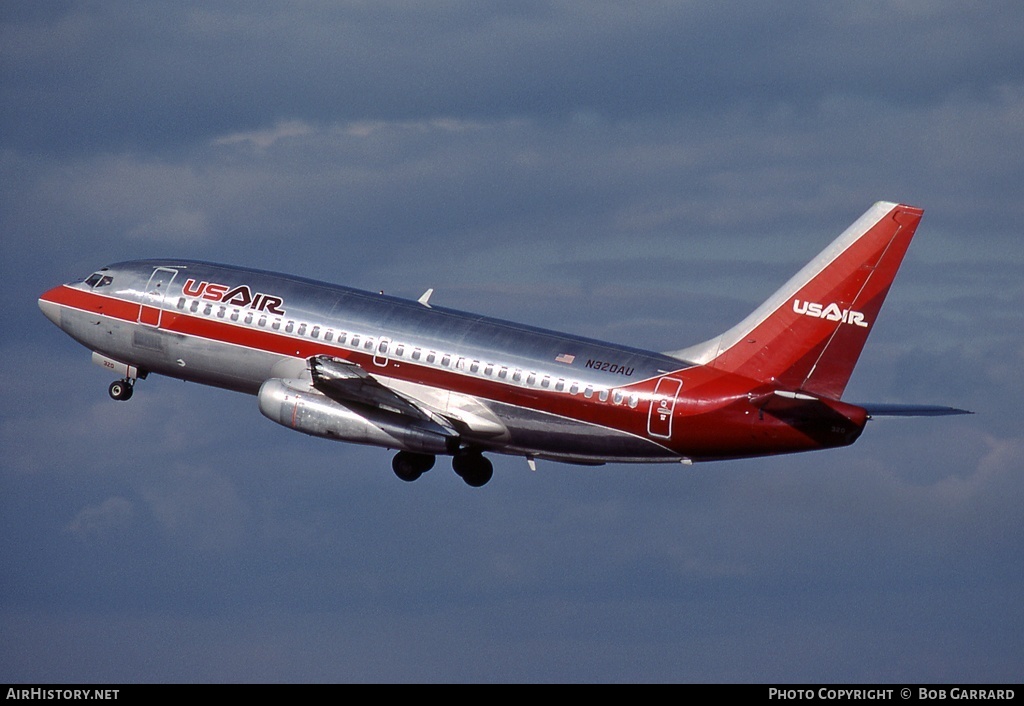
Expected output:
{"points": [[425, 381]]}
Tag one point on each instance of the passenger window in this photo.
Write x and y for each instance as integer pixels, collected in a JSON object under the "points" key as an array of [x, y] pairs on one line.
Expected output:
{"points": [[234, 314], [208, 310], [474, 366], [560, 385], [603, 395], [315, 333], [633, 401], [329, 335], [415, 353], [221, 311], [263, 321], [248, 317], [194, 307], [531, 378], [574, 388], [546, 382], [181, 302], [368, 344], [446, 360], [617, 397], [355, 341], [502, 373], [289, 326], [489, 369], [302, 330], [588, 392], [276, 325], [400, 350], [430, 356]]}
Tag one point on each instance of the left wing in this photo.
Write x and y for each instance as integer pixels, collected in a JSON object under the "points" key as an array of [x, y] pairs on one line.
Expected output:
{"points": [[348, 382]]}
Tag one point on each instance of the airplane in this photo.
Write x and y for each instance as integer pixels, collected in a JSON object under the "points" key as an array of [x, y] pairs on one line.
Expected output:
{"points": [[427, 381]]}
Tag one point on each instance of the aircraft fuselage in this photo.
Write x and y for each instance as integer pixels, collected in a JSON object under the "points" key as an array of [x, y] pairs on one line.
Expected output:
{"points": [[521, 390]]}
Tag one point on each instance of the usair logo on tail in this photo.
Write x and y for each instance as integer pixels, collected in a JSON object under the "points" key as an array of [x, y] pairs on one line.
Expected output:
{"points": [[830, 312]]}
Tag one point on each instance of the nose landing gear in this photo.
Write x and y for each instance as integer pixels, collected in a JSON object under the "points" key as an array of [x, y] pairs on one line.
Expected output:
{"points": [[121, 390]]}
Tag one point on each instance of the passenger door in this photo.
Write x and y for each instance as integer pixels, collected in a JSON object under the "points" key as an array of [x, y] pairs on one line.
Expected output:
{"points": [[663, 404], [152, 307]]}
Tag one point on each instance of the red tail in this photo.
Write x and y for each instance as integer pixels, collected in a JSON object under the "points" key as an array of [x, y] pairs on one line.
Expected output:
{"points": [[809, 334]]}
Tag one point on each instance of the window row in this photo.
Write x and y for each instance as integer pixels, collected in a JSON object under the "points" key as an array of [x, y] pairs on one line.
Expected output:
{"points": [[384, 348]]}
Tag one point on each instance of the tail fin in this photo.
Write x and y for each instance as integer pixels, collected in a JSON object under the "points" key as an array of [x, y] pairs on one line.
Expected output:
{"points": [[809, 334]]}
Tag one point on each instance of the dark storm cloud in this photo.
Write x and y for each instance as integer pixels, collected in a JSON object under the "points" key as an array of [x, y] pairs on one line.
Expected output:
{"points": [[643, 175]]}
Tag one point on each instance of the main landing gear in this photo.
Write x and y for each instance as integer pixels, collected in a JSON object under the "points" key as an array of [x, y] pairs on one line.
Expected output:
{"points": [[472, 467], [409, 466], [121, 390], [468, 464]]}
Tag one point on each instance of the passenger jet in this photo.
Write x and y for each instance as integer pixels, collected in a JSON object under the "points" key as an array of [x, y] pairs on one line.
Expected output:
{"points": [[425, 381]]}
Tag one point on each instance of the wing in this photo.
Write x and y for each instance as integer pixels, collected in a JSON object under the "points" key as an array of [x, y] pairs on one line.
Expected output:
{"points": [[457, 415], [348, 382]]}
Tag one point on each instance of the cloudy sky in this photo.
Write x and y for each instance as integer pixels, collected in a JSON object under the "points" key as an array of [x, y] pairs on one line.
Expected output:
{"points": [[642, 173]]}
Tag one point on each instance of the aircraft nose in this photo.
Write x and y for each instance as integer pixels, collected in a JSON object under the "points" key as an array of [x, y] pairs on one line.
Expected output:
{"points": [[50, 309]]}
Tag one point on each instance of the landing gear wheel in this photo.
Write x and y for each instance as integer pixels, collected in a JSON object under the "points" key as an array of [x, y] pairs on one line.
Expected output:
{"points": [[120, 390], [473, 468], [409, 466]]}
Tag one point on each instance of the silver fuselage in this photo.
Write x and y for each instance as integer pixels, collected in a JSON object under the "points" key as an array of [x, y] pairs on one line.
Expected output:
{"points": [[521, 389]]}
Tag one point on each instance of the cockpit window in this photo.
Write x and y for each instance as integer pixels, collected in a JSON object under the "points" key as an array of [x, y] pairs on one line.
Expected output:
{"points": [[98, 279]]}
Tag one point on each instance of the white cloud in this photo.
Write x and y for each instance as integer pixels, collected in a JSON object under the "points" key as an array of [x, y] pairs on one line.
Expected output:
{"points": [[111, 517], [269, 137], [199, 509]]}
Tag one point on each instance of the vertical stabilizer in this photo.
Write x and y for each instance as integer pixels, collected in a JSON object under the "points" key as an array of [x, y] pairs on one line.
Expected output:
{"points": [[809, 334]]}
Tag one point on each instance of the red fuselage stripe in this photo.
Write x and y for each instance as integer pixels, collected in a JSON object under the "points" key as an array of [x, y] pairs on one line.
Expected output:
{"points": [[608, 414]]}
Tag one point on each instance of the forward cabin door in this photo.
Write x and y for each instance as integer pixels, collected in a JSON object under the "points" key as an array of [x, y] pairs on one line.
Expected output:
{"points": [[152, 308]]}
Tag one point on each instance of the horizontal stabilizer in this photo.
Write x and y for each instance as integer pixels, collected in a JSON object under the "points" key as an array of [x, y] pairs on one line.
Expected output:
{"points": [[911, 410]]}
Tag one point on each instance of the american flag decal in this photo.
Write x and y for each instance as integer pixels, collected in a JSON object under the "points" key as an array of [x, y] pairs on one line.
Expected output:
{"points": [[565, 358]]}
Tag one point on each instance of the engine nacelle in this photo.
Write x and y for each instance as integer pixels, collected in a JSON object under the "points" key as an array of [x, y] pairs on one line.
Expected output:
{"points": [[296, 404]]}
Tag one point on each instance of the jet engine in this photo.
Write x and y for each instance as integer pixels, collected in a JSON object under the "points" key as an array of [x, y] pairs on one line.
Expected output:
{"points": [[296, 404]]}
